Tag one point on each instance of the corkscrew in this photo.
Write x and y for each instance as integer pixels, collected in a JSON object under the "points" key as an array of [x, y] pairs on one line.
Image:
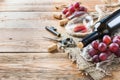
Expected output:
{"points": [[53, 30]]}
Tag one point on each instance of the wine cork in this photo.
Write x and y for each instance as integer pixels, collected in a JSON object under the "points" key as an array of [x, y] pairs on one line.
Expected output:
{"points": [[80, 45], [52, 48], [57, 16], [64, 22]]}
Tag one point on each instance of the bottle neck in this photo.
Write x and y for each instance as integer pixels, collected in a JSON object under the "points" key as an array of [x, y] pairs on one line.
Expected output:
{"points": [[93, 36], [90, 38], [105, 26]]}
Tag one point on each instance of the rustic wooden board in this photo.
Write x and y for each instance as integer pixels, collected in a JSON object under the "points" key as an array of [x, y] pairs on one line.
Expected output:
{"points": [[27, 8], [27, 19], [43, 6], [23, 40], [32, 25], [43, 66], [22, 30], [42, 2], [27, 16]]}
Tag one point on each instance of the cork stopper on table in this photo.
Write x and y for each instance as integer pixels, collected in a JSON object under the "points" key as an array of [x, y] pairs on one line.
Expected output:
{"points": [[64, 22], [57, 16], [52, 48], [80, 45]]}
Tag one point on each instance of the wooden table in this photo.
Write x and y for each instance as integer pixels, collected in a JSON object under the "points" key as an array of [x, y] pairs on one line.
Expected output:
{"points": [[23, 49]]}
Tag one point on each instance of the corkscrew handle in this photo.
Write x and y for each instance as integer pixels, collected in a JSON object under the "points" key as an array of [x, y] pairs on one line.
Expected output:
{"points": [[53, 31]]}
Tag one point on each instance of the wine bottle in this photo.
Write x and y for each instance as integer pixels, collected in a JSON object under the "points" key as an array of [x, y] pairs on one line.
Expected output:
{"points": [[105, 26]]}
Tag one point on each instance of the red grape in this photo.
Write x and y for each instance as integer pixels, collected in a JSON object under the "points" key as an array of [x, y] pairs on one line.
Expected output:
{"points": [[68, 14], [116, 37], [113, 47], [103, 56], [65, 10], [116, 40], [107, 39], [95, 58], [82, 8], [76, 5], [71, 9], [102, 47], [92, 52], [117, 53], [100, 51], [108, 52], [95, 44]]}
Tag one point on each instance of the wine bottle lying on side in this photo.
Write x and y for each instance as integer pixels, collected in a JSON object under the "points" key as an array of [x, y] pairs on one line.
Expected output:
{"points": [[105, 26]]}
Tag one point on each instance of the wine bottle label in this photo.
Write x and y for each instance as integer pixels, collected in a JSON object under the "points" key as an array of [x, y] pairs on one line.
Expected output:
{"points": [[114, 22]]}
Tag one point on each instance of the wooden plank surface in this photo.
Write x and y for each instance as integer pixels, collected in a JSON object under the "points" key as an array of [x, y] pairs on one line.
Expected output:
{"points": [[27, 19], [24, 40], [42, 6], [23, 30], [20, 19], [22, 25], [34, 66]]}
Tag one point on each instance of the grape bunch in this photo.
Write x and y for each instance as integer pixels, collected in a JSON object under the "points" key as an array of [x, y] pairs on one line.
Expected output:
{"points": [[68, 11], [102, 49]]}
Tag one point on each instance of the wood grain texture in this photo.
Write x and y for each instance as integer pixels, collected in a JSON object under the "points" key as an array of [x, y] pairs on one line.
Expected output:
{"points": [[29, 24], [34, 66], [42, 6], [38, 20], [27, 19], [31, 66], [24, 40], [22, 25]]}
